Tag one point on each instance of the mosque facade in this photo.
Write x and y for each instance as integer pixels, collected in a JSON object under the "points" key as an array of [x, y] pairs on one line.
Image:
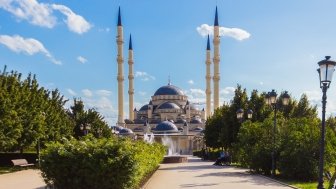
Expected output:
{"points": [[169, 110]]}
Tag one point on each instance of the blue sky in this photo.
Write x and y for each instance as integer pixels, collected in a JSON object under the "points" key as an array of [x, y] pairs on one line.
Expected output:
{"points": [[71, 46]]}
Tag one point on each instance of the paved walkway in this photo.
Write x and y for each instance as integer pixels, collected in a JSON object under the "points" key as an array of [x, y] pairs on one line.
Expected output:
{"points": [[27, 179], [197, 174]]}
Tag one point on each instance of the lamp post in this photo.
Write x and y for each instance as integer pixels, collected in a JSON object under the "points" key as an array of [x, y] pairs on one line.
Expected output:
{"points": [[240, 114], [271, 99], [85, 128], [325, 71]]}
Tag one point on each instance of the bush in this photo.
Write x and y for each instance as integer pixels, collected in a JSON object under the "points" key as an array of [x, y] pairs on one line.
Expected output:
{"points": [[299, 155], [99, 163], [212, 154], [254, 148], [297, 147]]}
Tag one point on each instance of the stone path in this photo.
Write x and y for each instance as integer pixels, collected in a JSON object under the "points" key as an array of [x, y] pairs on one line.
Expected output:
{"points": [[27, 179], [197, 174]]}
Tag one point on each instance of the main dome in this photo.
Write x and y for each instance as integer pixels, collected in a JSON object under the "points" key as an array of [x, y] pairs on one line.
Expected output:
{"points": [[168, 90]]}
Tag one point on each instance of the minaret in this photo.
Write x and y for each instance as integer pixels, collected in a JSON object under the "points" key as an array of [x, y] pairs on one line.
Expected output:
{"points": [[216, 60], [130, 78], [208, 80], [120, 76]]}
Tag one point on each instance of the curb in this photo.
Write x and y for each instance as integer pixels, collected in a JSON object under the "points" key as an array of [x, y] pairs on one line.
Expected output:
{"points": [[150, 178], [282, 183]]}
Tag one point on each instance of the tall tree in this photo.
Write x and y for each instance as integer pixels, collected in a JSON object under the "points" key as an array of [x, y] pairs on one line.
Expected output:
{"points": [[82, 117]]}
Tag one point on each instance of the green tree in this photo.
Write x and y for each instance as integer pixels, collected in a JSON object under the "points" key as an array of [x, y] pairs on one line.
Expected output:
{"points": [[80, 116], [29, 113], [304, 109]]}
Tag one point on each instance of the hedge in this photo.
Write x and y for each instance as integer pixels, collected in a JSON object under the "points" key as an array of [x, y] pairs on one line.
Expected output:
{"points": [[212, 154], [115, 163]]}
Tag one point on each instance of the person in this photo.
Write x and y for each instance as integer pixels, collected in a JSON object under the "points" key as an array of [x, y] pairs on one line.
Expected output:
{"points": [[223, 159]]}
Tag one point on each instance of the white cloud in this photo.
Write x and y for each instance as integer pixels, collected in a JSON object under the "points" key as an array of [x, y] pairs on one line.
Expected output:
{"points": [[144, 76], [28, 46], [103, 93], [196, 95], [261, 83], [191, 82], [107, 30], [34, 12], [227, 91], [104, 106], [71, 92], [76, 23], [82, 59], [87, 93], [142, 93], [236, 33], [41, 14], [226, 95], [314, 97], [197, 92]]}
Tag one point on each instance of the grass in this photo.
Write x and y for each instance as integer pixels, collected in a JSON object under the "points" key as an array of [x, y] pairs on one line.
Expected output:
{"points": [[4, 170], [305, 185]]}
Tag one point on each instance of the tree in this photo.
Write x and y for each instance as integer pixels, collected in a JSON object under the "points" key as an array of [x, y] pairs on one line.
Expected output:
{"points": [[80, 116], [29, 113], [304, 109]]}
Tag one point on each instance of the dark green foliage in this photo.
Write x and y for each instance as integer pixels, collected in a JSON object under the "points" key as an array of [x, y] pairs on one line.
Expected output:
{"points": [[255, 146], [251, 143], [29, 113], [209, 154], [80, 116], [114, 163], [304, 109], [299, 154]]}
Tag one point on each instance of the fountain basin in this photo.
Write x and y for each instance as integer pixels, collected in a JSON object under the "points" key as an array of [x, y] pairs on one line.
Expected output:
{"points": [[175, 159]]}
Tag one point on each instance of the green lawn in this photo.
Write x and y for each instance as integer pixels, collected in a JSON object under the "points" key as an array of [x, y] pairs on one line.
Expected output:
{"points": [[306, 185], [4, 170]]}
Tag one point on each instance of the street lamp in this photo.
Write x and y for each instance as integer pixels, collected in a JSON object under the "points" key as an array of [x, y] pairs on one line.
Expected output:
{"points": [[271, 99], [85, 128], [240, 114], [325, 72]]}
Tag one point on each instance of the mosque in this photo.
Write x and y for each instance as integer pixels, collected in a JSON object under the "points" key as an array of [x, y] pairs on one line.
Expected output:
{"points": [[169, 110]]}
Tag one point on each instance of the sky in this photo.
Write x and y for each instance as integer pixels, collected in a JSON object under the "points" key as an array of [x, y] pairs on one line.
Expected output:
{"points": [[265, 45]]}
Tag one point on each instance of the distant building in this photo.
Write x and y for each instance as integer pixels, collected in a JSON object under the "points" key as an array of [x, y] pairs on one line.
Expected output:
{"points": [[169, 110], [168, 103]]}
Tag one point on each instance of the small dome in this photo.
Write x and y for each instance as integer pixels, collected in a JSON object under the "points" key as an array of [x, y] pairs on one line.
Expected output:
{"points": [[196, 121], [125, 131], [168, 90], [198, 129], [180, 121], [117, 128], [169, 105], [144, 108], [166, 127]]}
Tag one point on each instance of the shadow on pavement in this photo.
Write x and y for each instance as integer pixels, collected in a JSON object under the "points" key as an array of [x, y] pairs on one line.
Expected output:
{"points": [[196, 185]]}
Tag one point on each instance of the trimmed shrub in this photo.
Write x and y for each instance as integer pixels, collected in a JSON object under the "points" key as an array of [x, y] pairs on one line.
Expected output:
{"points": [[115, 163], [211, 154]]}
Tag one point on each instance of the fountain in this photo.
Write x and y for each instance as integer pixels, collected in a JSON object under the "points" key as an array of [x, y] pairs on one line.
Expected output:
{"points": [[173, 156], [149, 138]]}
